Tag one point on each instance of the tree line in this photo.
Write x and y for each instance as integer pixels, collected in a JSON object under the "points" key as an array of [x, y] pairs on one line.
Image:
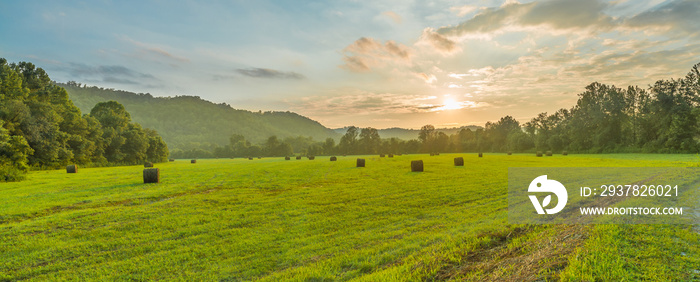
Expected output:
{"points": [[187, 122], [41, 128], [606, 119]]}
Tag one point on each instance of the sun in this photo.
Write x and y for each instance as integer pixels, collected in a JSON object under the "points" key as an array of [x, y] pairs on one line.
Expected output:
{"points": [[451, 104]]}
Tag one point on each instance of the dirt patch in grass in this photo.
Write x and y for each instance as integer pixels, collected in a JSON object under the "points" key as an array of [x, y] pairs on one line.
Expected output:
{"points": [[523, 254]]}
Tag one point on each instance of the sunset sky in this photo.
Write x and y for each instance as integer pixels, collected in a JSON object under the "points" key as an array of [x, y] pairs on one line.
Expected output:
{"points": [[364, 63]]}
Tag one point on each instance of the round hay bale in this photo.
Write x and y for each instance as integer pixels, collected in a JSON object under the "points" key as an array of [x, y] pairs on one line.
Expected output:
{"points": [[381, 155], [148, 164], [298, 157], [333, 158], [549, 153], [287, 158], [311, 158], [459, 161], [360, 162], [344, 155], [259, 158], [151, 175], [432, 154], [565, 153], [72, 168], [250, 158], [539, 153], [510, 153], [417, 166], [481, 155], [172, 160], [193, 161], [437, 154], [391, 155]]}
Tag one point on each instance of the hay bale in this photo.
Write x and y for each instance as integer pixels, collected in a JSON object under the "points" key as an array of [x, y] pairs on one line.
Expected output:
{"points": [[391, 155], [539, 153], [565, 153], [259, 158], [417, 166], [360, 162], [481, 155], [432, 154], [549, 153], [381, 155], [437, 154], [148, 164], [311, 158], [72, 168], [298, 157], [459, 161], [193, 161], [510, 153], [287, 158], [151, 175], [172, 160], [344, 155], [333, 158], [250, 158]]}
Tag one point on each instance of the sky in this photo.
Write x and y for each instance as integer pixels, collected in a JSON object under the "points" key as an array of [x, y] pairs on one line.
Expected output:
{"points": [[382, 64]]}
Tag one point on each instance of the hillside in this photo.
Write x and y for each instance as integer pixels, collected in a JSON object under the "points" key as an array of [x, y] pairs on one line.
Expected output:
{"points": [[184, 120], [408, 134]]}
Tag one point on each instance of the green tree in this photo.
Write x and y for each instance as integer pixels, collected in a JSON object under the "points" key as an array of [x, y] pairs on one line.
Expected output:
{"points": [[369, 142], [427, 136], [348, 143]]}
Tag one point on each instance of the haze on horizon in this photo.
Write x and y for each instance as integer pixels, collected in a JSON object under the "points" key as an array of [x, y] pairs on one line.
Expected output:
{"points": [[380, 63]]}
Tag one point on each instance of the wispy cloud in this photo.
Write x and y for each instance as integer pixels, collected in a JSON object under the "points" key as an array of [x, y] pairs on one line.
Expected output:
{"points": [[367, 53], [153, 52], [367, 103], [107, 73], [462, 11], [269, 73], [393, 16]]}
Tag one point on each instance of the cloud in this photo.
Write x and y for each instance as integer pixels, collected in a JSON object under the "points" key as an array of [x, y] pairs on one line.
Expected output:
{"points": [[106, 73], [270, 74], [369, 103], [393, 16], [675, 16], [439, 42], [462, 11], [367, 53], [561, 15], [153, 52], [427, 78]]}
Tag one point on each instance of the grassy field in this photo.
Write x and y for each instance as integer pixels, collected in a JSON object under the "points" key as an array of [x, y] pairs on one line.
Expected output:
{"points": [[302, 220]]}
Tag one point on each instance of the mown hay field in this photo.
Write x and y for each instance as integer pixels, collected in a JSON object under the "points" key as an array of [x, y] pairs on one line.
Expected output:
{"points": [[271, 219]]}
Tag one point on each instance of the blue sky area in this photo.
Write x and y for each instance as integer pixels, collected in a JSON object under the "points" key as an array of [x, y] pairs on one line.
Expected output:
{"points": [[363, 63]]}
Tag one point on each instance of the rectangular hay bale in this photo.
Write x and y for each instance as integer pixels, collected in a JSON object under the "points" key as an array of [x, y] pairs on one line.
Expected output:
{"points": [[417, 166], [151, 175]]}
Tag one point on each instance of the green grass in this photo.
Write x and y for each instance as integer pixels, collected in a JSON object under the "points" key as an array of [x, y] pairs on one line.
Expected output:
{"points": [[271, 219]]}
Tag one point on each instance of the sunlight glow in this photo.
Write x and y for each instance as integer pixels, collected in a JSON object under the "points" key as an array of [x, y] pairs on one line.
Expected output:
{"points": [[452, 104]]}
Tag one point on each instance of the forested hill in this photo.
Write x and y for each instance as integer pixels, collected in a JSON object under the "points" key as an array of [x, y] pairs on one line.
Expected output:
{"points": [[187, 121], [409, 134]]}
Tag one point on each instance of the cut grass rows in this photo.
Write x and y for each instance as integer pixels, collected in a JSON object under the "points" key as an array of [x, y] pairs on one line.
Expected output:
{"points": [[274, 220]]}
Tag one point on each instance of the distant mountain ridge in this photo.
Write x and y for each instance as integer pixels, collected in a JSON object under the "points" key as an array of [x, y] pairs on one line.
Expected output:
{"points": [[189, 121], [408, 134]]}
